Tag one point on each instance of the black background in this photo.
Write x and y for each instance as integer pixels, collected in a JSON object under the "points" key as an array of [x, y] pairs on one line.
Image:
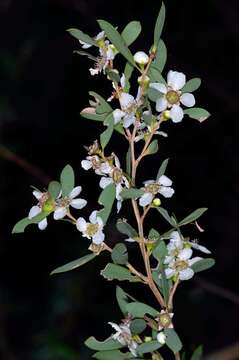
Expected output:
{"points": [[43, 87]]}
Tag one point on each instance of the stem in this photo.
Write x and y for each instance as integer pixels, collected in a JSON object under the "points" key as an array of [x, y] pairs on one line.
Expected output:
{"points": [[173, 290], [177, 356]]}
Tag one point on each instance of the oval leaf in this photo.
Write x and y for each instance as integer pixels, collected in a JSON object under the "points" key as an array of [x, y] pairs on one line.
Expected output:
{"points": [[131, 32], [165, 215], [119, 254], [138, 309], [108, 344], [74, 264], [203, 264], [131, 193], [54, 189], [106, 135], [191, 85], [148, 347], [172, 340], [162, 168], [117, 272], [22, 224], [67, 180], [197, 113], [159, 25], [125, 228], [107, 198], [137, 326], [193, 216], [79, 35]]}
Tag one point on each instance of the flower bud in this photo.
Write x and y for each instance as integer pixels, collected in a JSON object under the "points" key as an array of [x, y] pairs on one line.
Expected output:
{"points": [[147, 339], [156, 202], [141, 58], [49, 206], [166, 115], [161, 337], [144, 81]]}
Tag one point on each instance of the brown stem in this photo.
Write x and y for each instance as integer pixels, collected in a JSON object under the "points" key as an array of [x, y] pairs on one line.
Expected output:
{"points": [[177, 356], [172, 292]]}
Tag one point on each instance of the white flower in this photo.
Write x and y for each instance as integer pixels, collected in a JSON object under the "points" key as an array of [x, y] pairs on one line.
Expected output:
{"points": [[127, 112], [94, 162], [64, 203], [99, 36], [123, 336], [161, 337], [172, 97], [116, 177], [141, 58], [37, 209], [152, 187], [93, 229], [164, 320], [181, 266]]}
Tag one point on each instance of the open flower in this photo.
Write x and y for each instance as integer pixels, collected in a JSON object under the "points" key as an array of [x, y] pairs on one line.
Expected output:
{"points": [[151, 188], [127, 112], [94, 162], [116, 177], [35, 210], [93, 229], [164, 320], [172, 97], [123, 336], [98, 37], [63, 204], [161, 337]]}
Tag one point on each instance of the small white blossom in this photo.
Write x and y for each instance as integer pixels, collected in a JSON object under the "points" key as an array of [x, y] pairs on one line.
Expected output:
{"points": [[141, 58], [99, 36], [161, 186], [63, 204], [94, 162], [161, 337], [172, 97], [181, 266], [93, 229], [164, 320], [123, 336], [127, 112], [35, 210]]}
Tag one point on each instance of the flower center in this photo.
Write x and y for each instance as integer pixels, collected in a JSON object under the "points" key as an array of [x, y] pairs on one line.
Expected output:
{"points": [[92, 229], [152, 188], [117, 175], [165, 320], [181, 265], [48, 206], [172, 97]]}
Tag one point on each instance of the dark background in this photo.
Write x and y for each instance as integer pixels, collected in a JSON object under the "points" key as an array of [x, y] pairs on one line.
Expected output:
{"points": [[43, 86]]}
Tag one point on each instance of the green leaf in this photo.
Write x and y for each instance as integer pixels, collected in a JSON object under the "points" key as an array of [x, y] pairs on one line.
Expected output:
{"points": [[95, 117], [165, 215], [153, 147], [147, 116], [203, 264], [159, 25], [107, 198], [106, 135], [123, 299], [153, 94], [131, 193], [128, 73], [113, 75], [192, 217], [125, 228], [128, 161], [74, 264], [160, 251], [155, 75], [148, 347], [138, 309], [191, 85], [109, 355], [153, 235], [162, 168], [67, 180], [119, 254], [108, 344], [198, 354], [104, 106], [79, 35], [117, 40], [54, 189], [22, 224], [131, 32], [160, 57], [137, 326], [197, 113], [164, 282], [172, 340], [117, 272]]}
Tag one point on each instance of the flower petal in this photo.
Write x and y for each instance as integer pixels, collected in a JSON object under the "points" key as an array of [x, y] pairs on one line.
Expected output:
{"points": [[78, 203], [159, 87], [185, 254], [98, 238], [176, 80], [169, 272], [86, 164], [75, 192], [166, 191], [176, 113], [161, 104], [42, 224], [37, 194], [186, 274], [200, 247], [93, 217], [194, 260], [165, 181], [126, 100], [145, 199], [105, 181], [60, 213], [34, 211], [118, 115], [81, 224], [187, 99], [129, 119]]}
